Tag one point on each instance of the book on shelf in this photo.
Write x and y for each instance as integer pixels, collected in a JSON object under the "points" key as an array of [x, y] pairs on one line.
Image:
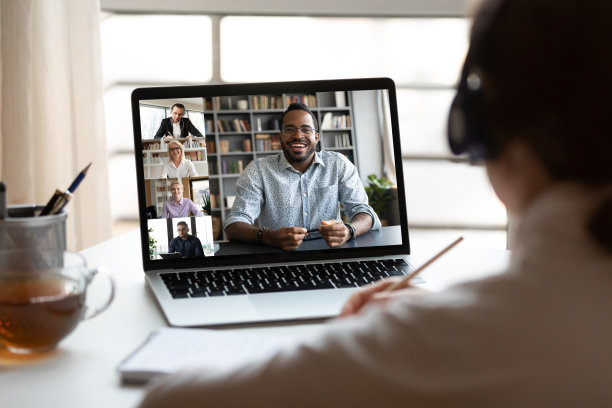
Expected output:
{"points": [[223, 146], [308, 100], [195, 156], [247, 145], [263, 142], [210, 146], [331, 121], [235, 125], [214, 200], [241, 125], [340, 99], [208, 104], [232, 166], [222, 102], [342, 140], [194, 144], [275, 143], [261, 102], [212, 167]]}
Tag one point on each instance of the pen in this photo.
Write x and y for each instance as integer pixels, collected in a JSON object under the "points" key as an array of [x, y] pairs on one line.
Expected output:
{"points": [[3, 213], [61, 202], [78, 179], [59, 199], [406, 279]]}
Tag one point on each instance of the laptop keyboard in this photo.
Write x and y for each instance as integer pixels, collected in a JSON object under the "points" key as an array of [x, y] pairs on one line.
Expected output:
{"points": [[271, 279]]}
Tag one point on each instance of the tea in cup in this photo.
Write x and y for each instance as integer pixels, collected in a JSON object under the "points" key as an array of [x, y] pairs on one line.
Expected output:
{"points": [[43, 298]]}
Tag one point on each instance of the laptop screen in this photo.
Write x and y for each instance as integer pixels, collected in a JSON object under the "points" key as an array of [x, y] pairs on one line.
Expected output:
{"points": [[194, 146]]}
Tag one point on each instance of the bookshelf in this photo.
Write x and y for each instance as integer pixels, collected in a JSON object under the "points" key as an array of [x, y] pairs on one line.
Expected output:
{"points": [[242, 128], [155, 155]]}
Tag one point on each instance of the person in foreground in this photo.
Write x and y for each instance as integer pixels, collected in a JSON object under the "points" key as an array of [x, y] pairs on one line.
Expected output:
{"points": [[299, 189], [186, 245], [538, 335], [178, 206]]}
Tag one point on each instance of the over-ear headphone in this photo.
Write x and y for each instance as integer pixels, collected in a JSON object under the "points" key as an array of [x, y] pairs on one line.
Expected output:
{"points": [[469, 128]]}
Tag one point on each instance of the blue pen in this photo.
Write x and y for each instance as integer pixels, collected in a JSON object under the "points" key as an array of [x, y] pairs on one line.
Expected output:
{"points": [[78, 179], [59, 200]]}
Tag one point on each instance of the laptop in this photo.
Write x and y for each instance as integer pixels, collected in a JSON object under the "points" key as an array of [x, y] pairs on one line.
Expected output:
{"points": [[232, 282]]}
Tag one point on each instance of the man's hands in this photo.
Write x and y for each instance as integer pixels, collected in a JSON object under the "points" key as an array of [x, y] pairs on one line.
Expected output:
{"points": [[334, 232], [287, 239]]}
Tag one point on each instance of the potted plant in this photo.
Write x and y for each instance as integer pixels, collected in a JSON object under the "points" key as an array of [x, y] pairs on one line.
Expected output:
{"points": [[381, 193], [152, 244]]}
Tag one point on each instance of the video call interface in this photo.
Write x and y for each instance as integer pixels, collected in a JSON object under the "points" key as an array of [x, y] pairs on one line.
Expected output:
{"points": [[195, 149]]}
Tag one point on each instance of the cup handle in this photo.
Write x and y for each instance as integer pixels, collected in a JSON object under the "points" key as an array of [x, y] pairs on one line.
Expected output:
{"points": [[93, 272]]}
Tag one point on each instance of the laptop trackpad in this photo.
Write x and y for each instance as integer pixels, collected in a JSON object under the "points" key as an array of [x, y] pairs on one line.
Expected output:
{"points": [[300, 304]]}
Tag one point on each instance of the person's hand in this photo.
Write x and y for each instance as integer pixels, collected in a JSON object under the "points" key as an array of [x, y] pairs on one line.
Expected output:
{"points": [[287, 238], [334, 232], [375, 294], [168, 137]]}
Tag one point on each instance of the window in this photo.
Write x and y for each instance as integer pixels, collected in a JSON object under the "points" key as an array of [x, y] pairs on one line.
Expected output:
{"points": [[422, 55]]}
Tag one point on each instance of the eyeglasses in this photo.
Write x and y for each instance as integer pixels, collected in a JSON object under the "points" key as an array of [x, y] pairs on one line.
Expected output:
{"points": [[292, 130], [174, 148]]}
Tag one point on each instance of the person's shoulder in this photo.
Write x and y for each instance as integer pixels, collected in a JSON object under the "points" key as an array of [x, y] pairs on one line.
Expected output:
{"points": [[260, 163], [330, 157], [270, 159]]}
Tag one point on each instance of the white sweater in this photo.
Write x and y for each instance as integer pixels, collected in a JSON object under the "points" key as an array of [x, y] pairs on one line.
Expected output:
{"points": [[539, 335]]}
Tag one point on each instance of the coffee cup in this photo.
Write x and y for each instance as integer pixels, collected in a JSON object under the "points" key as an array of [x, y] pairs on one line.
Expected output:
{"points": [[43, 297]]}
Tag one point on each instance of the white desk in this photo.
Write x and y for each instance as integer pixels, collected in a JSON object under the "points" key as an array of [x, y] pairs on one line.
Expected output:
{"points": [[81, 372]]}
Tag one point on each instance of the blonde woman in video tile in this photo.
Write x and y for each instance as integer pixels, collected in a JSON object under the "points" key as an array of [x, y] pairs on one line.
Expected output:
{"points": [[178, 165]]}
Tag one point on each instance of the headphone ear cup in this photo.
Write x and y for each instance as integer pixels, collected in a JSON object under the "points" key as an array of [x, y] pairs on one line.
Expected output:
{"points": [[456, 126], [467, 122]]}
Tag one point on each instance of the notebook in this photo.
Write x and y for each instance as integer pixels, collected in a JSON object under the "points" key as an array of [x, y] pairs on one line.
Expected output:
{"points": [[218, 282]]}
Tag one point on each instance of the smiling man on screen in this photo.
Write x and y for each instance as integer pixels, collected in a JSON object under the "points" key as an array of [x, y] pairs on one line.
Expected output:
{"points": [[299, 190]]}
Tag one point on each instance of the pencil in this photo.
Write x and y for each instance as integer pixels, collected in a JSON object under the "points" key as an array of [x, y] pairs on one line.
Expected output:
{"points": [[406, 279], [78, 179], [59, 199]]}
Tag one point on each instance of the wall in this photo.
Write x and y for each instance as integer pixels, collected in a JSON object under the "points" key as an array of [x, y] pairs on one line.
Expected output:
{"points": [[395, 8]]}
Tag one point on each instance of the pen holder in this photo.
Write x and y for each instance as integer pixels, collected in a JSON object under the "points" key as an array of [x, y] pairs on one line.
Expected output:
{"points": [[22, 229]]}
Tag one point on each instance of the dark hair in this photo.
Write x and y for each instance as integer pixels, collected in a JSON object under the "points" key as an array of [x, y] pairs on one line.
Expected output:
{"points": [[547, 80], [178, 105], [182, 223], [302, 107]]}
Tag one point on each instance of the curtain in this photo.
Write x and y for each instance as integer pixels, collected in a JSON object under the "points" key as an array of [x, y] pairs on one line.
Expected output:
{"points": [[51, 110]]}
